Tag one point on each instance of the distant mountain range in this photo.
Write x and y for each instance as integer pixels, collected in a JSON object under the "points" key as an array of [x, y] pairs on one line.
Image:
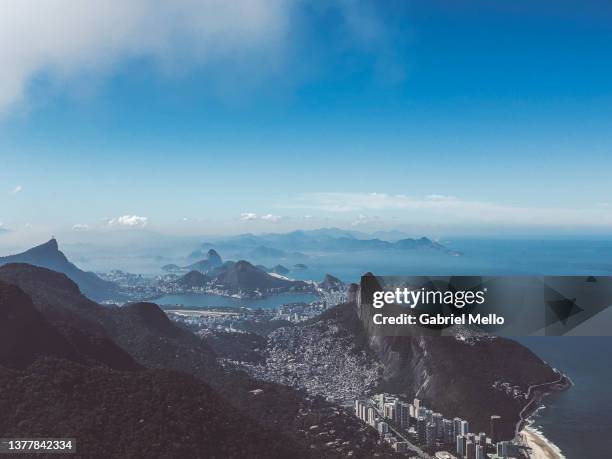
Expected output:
{"points": [[278, 269], [242, 278], [49, 256], [287, 245], [262, 252]]}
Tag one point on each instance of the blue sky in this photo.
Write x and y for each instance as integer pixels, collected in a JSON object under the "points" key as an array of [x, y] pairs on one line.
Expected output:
{"points": [[430, 117]]}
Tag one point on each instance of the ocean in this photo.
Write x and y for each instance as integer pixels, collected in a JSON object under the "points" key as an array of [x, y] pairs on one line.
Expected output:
{"points": [[480, 257], [578, 421]]}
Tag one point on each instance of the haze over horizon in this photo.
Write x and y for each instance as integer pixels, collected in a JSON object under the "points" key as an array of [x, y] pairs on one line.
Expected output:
{"points": [[302, 115]]}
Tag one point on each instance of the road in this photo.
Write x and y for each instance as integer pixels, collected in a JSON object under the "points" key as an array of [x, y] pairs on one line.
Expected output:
{"points": [[532, 400]]}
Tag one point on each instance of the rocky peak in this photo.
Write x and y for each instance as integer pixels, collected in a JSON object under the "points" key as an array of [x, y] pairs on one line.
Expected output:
{"points": [[213, 256]]}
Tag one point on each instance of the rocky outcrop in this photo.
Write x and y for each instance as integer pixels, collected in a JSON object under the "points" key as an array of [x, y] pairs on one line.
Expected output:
{"points": [[331, 283], [454, 374]]}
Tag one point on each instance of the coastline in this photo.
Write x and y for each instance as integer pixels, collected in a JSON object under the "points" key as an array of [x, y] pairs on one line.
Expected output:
{"points": [[533, 442], [537, 446]]}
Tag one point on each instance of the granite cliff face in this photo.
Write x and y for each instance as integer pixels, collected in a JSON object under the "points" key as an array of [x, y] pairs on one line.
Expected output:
{"points": [[455, 374]]}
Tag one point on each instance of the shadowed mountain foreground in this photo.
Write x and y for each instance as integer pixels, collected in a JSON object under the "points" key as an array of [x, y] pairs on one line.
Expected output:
{"points": [[129, 382]]}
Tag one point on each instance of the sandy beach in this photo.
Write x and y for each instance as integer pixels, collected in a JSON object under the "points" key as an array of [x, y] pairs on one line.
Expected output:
{"points": [[539, 446]]}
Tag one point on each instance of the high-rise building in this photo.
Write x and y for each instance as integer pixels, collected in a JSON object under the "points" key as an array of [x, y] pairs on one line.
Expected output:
{"points": [[383, 427], [417, 404], [494, 430], [470, 450], [403, 415], [482, 439], [396, 410], [422, 430], [460, 445], [456, 427], [437, 420], [400, 447], [431, 434], [389, 410], [411, 411], [371, 416], [465, 427], [361, 410], [448, 436], [480, 452], [502, 449]]}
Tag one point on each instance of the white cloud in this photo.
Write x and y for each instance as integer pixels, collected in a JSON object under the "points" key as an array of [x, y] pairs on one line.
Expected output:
{"points": [[246, 216], [350, 202], [17, 189], [448, 210], [81, 227], [250, 216], [63, 39], [131, 221]]}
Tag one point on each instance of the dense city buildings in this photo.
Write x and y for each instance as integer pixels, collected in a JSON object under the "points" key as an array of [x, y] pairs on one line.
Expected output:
{"points": [[494, 430], [412, 427]]}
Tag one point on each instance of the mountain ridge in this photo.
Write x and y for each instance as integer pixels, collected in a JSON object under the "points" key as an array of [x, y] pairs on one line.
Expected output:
{"points": [[162, 346], [48, 255], [325, 239]]}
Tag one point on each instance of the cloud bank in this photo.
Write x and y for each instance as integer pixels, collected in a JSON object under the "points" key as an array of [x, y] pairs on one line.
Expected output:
{"points": [[452, 210], [250, 216], [63, 39]]}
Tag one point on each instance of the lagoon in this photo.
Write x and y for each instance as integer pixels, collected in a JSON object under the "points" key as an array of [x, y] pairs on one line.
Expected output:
{"points": [[204, 301]]}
